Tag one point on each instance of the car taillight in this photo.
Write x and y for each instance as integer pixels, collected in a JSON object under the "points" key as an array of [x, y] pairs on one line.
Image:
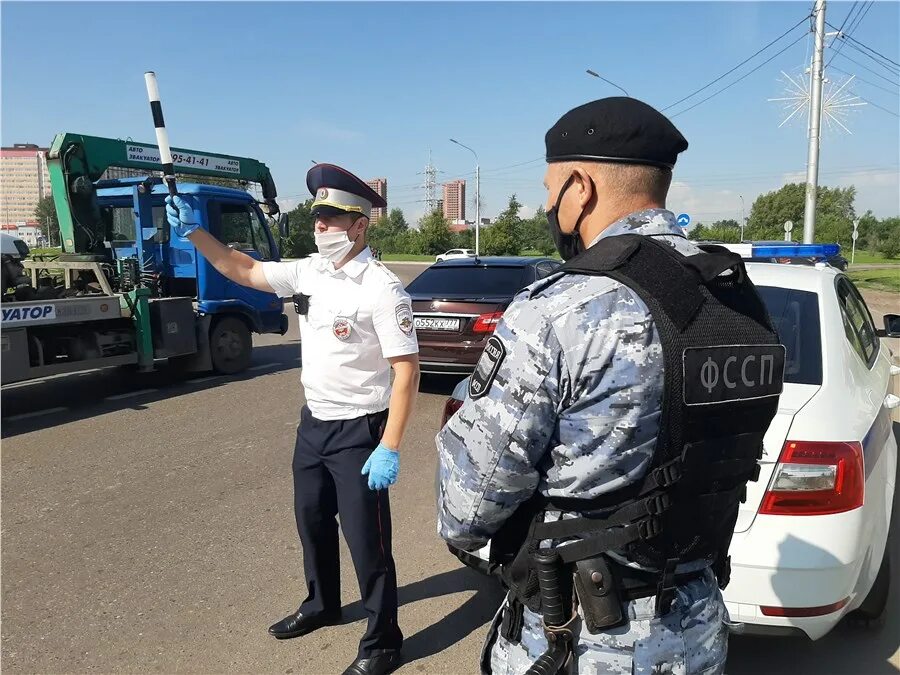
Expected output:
{"points": [[450, 408], [815, 479], [804, 611], [486, 323]]}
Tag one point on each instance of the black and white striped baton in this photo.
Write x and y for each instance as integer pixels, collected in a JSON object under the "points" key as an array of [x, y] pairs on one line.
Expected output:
{"points": [[162, 136]]}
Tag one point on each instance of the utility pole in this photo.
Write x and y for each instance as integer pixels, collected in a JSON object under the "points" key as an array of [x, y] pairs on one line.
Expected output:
{"points": [[815, 126], [477, 196], [742, 217], [430, 183], [477, 208]]}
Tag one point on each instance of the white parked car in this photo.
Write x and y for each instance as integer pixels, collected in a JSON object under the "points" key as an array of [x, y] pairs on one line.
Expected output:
{"points": [[455, 253], [811, 539]]}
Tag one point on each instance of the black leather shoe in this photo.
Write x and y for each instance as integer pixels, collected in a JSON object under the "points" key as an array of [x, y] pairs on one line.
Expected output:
{"points": [[375, 665], [297, 624]]}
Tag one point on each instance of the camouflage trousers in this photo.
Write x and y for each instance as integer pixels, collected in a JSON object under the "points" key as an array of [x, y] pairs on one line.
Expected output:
{"points": [[691, 639]]}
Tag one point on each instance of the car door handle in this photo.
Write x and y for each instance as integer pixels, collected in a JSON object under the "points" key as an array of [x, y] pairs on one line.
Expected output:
{"points": [[891, 401]]}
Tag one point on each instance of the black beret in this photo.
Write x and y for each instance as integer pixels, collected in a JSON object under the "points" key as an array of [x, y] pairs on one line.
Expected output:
{"points": [[615, 129]]}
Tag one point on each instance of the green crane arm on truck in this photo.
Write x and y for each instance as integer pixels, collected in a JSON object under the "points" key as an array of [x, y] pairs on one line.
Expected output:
{"points": [[76, 161]]}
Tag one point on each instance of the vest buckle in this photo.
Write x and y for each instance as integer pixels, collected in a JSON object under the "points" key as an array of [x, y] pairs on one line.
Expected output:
{"points": [[668, 474], [658, 504], [649, 527]]}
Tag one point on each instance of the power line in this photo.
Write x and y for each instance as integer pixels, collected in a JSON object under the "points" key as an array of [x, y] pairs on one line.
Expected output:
{"points": [[852, 27], [891, 112], [859, 79], [893, 70], [512, 166], [750, 58], [859, 17], [844, 23], [770, 59], [862, 65], [876, 53]]}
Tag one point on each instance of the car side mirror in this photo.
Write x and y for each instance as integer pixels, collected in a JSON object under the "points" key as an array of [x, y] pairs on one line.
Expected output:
{"points": [[891, 326]]}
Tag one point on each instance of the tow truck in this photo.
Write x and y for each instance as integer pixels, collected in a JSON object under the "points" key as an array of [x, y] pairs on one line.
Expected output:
{"points": [[127, 291]]}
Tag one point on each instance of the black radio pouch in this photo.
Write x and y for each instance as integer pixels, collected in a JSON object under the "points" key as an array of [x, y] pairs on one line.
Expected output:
{"points": [[598, 595]]}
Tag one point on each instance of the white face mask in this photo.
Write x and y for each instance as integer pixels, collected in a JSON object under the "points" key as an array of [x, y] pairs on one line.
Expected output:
{"points": [[333, 245]]}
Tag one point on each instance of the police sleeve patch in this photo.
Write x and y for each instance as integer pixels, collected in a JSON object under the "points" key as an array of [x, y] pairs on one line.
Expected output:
{"points": [[404, 315], [732, 373], [487, 367]]}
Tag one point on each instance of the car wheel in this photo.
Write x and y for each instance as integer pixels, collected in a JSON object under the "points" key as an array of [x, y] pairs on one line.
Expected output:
{"points": [[230, 345], [872, 608]]}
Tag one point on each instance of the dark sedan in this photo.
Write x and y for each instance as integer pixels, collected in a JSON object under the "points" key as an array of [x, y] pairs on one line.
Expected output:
{"points": [[458, 303]]}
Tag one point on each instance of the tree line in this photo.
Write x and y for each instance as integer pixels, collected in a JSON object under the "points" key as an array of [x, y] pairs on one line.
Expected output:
{"points": [[835, 214], [511, 234]]}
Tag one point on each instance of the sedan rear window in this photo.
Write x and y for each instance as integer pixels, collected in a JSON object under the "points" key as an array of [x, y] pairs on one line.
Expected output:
{"points": [[470, 281], [795, 316]]}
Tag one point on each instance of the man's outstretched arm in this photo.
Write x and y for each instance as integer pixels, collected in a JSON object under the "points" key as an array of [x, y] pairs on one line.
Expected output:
{"points": [[237, 266]]}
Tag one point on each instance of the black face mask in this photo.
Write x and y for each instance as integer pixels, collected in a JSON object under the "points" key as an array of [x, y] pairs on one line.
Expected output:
{"points": [[568, 245]]}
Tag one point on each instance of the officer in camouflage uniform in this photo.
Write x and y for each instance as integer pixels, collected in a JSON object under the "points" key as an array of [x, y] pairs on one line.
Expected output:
{"points": [[565, 401]]}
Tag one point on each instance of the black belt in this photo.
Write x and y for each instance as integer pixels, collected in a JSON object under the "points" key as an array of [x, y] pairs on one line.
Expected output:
{"points": [[637, 583]]}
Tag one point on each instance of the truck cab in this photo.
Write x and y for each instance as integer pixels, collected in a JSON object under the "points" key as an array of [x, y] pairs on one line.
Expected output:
{"points": [[172, 264]]}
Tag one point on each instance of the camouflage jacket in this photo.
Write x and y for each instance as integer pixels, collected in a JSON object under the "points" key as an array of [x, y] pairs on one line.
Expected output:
{"points": [[569, 402]]}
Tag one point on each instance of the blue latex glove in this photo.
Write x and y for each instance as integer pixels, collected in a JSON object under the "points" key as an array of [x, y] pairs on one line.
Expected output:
{"points": [[180, 216], [382, 467]]}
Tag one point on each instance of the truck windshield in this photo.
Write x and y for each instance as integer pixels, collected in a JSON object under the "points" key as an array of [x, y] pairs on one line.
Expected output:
{"points": [[242, 229], [119, 222]]}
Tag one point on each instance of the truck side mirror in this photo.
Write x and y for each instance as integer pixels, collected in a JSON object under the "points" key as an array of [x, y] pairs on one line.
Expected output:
{"points": [[283, 221]]}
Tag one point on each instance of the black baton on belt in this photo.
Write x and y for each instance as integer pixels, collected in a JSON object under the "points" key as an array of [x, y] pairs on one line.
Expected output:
{"points": [[556, 613]]}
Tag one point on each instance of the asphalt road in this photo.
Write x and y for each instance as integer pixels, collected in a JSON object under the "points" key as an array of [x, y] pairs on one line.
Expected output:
{"points": [[147, 526]]}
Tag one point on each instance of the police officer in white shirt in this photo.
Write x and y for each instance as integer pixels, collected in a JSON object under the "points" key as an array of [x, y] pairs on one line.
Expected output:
{"points": [[356, 324]]}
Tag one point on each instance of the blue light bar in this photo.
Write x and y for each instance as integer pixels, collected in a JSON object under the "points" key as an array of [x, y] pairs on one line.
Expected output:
{"points": [[822, 251]]}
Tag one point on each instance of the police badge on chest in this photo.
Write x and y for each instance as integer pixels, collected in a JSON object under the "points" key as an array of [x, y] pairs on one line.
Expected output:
{"points": [[342, 328]]}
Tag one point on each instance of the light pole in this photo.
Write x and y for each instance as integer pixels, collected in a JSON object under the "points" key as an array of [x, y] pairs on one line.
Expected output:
{"points": [[477, 195], [593, 74], [742, 218], [815, 123]]}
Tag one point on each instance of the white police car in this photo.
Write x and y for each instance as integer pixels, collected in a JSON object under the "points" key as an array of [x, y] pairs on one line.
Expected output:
{"points": [[811, 539]]}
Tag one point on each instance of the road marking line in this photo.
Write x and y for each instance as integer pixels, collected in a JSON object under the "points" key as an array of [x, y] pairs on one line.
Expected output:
{"points": [[263, 366], [130, 394], [36, 413]]}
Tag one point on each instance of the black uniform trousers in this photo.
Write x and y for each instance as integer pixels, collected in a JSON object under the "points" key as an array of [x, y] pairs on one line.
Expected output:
{"points": [[328, 461]]}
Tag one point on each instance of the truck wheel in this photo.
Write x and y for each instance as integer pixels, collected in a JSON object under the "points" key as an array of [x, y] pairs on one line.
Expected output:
{"points": [[230, 345], [871, 611]]}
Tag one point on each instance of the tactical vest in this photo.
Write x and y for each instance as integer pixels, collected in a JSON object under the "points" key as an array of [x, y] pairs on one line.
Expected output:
{"points": [[723, 373]]}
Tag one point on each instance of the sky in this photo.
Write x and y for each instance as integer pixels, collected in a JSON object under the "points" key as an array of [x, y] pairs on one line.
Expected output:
{"points": [[380, 87]]}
